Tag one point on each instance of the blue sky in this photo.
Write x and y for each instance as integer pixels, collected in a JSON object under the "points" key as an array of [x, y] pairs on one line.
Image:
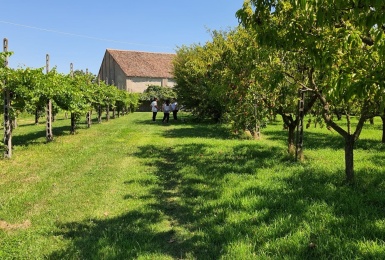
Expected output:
{"points": [[80, 31]]}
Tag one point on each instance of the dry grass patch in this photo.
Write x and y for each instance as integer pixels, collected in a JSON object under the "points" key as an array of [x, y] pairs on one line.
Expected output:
{"points": [[8, 227]]}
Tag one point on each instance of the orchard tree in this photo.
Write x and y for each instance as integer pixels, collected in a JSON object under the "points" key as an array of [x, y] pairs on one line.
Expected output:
{"points": [[291, 81], [196, 87], [343, 43], [263, 82], [237, 74]]}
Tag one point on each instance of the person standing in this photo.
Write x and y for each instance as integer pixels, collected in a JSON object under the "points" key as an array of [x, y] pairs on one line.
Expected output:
{"points": [[174, 108], [154, 108], [166, 110]]}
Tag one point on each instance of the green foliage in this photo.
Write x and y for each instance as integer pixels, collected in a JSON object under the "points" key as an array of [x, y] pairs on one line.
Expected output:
{"points": [[3, 58], [197, 76], [162, 93], [78, 93], [341, 41], [336, 45], [31, 89], [332, 50]]}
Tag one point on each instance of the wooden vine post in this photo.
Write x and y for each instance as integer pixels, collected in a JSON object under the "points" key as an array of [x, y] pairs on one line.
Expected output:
{"points": [[49, 135], [107, 105], [301, 114], [73, 116], [7, 107], [99, 107], [114, 108], [88, 116]]}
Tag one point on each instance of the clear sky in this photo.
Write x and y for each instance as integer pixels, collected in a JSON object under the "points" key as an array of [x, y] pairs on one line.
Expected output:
{"points": [[80, 31]]}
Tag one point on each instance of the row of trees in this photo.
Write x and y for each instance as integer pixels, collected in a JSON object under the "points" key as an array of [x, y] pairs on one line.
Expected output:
{"points": [[38, 92], [323, 57]]}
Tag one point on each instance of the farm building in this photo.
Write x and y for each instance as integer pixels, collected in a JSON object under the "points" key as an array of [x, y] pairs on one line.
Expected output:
{"points": [[134, 71]]}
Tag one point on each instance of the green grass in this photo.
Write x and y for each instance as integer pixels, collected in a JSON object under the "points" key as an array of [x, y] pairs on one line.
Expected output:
{"points": [[133, 189]]}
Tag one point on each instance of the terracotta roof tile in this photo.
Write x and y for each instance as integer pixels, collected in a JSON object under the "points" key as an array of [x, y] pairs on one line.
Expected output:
{"points": [[144, 64]]}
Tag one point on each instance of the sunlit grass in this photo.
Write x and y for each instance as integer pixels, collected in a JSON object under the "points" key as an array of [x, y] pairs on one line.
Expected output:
{"points": [[132, 189]]}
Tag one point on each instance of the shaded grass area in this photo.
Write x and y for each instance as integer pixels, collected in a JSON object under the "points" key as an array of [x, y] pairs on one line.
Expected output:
{"points": [[132, 189]]}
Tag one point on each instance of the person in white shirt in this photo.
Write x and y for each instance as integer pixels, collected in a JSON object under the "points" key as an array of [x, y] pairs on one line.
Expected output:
{"points": [[154, 108], [166, 110], [174, 108]]}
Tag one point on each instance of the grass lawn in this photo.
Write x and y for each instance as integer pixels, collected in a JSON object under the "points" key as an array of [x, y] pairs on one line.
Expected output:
{"points": [[133, 189]]}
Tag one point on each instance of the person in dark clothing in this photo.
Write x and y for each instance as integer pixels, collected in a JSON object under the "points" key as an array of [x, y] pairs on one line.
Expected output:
{"points": [[166, 110], [174, 108]]}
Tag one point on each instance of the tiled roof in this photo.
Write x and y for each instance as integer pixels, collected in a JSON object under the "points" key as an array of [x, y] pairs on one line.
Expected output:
{"points": [[144, 64]]}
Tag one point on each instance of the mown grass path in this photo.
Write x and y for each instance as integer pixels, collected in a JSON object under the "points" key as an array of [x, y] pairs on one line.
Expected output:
{"points": [[133, 189]]}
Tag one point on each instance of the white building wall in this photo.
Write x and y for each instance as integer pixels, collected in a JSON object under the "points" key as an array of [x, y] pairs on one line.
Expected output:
{"points": [[120, 81], [139, 84]]}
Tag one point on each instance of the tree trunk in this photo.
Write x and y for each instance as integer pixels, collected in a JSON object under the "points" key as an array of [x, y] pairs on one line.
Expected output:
{"points": [[36, 117], [350, 139], [108, 113], [73, 123], [291, 138], [291, 125], [338, 114], [349, 163], [99, 114], [257, 134], [88, 116], [383, 129]]}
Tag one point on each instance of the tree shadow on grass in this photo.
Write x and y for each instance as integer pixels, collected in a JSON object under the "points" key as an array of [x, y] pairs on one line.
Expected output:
{"points": [[279, 214], [323, 140], [378, 159], [337, 219], [214, 131], [193, 202], [190, 175], [334, 141], [38, 137], [178, 198], [310, 140], [201, 130], [124, 237]]}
